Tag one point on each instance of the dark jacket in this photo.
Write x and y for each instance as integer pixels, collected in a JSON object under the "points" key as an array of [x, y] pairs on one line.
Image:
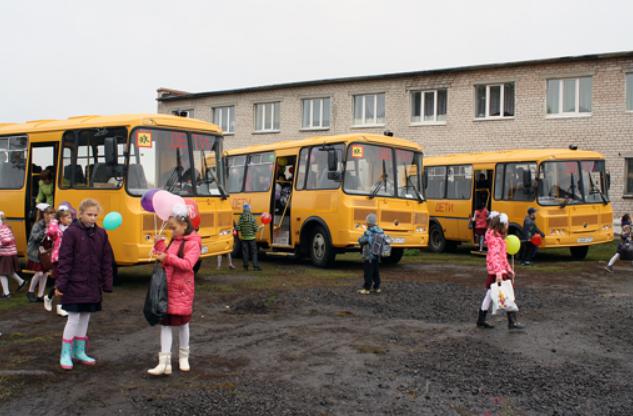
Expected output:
{"points": [[85, 264], [530, 228], [366, 240], [35, 240]]}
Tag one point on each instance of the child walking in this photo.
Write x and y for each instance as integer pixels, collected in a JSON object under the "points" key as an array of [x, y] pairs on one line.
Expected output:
{"points": [[371, 261], [230, 259], [626, 241], [529, 230], [480, 220], [44, 214], [56, 227], [9, 265], [247, 231], [84, 271], [497, 266], [178, 259]]}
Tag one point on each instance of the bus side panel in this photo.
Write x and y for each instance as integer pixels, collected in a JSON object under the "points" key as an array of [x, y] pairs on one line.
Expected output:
{"points": [[324, 204]]}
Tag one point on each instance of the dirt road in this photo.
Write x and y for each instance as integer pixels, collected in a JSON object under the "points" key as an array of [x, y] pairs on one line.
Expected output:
{"points": [[294, 340]]}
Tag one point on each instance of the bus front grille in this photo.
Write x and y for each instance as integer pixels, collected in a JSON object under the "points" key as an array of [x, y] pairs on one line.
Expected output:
{"points": [[395, 216]]}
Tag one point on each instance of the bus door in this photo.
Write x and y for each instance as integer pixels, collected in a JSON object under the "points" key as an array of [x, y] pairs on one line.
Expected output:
{"points": [[42, 167], [281, 202], [482, 186]]}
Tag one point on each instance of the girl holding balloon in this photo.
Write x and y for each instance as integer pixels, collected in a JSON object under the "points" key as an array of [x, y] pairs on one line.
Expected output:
{"points": [[497, 266], [84, 272]]}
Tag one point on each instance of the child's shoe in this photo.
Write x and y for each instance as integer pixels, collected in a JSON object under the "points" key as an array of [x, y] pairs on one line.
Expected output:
{"points": [[257, 269], [48, 303], [364, 292], [231, 267], [183, 359], [609, 269], [21, 285], [65, 360], [79, 351], [164, 365], [5, 296], [31, 297], [512, 322], [61, 312], [377, 291]]}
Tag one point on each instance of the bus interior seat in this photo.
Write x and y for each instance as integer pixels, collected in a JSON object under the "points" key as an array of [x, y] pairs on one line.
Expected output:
{"points": [[75, 171], [136, 177]]}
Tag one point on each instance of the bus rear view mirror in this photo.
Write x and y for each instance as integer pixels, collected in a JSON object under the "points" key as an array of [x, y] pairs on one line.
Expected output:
{"points": [[335, 176], [607, 180], [110, 149], [332, 161]]}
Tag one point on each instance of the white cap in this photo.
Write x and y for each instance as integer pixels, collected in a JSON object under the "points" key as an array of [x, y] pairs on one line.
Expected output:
{"points": [[42, 206], [63, 208], [503, 218], [493, 214], [180, 210]]}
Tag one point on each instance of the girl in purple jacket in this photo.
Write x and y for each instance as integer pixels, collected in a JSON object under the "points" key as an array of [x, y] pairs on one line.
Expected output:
{"points": [[84, 271]]}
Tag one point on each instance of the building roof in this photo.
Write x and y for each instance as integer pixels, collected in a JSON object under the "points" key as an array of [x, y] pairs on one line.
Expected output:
{"points": [[167, 94], [94, 121], [290, 144], [514, 155]]}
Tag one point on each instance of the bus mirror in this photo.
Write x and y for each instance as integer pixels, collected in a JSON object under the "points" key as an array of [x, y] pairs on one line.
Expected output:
{"points": [[425, 180], [110, 149], [332, 160], [608, 181], [527, 179]]}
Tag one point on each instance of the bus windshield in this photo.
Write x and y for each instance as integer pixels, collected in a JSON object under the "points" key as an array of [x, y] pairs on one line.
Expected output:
{"points": [[572, 182], [186, 164], [383, 171]]}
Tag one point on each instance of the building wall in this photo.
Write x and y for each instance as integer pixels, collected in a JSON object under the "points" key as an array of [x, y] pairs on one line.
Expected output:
{"points": [[608, 130]]}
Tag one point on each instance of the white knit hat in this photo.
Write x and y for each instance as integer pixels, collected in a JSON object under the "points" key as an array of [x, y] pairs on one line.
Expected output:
{"points": [[63, 208], [42, 206], [180, 211], [493, 214], [503, 218]]}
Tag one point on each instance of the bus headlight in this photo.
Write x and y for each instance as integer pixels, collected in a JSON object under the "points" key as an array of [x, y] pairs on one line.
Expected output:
{"points": [[420, 229], [226, 232]]}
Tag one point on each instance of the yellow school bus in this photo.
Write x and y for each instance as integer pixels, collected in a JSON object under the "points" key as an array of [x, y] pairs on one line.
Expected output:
{"points": [[568, 187], [320, 190], [115, 159]]}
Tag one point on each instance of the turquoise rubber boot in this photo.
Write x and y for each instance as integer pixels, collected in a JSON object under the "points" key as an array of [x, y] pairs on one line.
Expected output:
{"points": [[79, 351], [65, 360]]}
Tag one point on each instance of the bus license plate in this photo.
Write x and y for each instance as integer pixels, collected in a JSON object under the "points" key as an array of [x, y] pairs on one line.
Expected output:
{"points": [[204, 250], [397, 240], [585, 240]]}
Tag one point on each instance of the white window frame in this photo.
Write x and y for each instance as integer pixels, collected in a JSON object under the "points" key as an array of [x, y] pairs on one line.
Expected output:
{"points": [[568, 114], [311, 125], [627, 74], [364, 119], [263, 105], [422, 122], [222, 109], [178, 112], [501, 115]]}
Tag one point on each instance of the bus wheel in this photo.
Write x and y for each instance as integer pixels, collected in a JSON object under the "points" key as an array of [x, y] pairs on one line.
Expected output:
{"points": [[395, 257], [116, 281], [196, 266], [579, 253], [437, 242], [321, 251]]}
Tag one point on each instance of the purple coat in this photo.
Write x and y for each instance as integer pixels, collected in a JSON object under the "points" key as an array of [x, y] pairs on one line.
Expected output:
{"points": [[85, 264]]}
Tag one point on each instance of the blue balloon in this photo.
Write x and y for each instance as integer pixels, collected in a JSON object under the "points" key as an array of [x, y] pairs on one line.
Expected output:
{"points": [[112, 221]]}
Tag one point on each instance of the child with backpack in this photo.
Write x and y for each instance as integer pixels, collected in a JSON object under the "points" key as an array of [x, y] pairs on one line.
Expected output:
{"points": [[35, 247], [624, 247], [9, 265], [56, 227], [372, 244]]}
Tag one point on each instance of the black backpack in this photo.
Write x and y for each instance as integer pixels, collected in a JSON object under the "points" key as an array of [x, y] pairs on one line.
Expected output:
{"points": [[156, 300]]}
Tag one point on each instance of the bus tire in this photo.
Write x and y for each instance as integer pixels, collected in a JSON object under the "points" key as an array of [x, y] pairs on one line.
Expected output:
{"points": [[196, 267], [321, 251], [394, 258], [579, 253], [116, 280], [437, 242]]}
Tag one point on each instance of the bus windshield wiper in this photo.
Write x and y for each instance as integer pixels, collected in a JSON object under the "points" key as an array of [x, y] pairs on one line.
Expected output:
{"points": [[382, 181], [213, 177], [176, 172], [412, 185]]}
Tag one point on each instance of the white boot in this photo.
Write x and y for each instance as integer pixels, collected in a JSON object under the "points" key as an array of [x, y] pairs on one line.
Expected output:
{"points": [[164, 365], [61, 312], [183, 359], [48, 303]]}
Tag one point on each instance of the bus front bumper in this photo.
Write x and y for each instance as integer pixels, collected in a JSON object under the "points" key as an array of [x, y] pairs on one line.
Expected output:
{"points": [[400, 239], [575, 239]]}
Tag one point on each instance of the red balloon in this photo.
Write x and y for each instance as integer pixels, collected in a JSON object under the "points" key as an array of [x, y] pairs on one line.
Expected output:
{"points": [[266, 218], [194, 213], [536, 239]]}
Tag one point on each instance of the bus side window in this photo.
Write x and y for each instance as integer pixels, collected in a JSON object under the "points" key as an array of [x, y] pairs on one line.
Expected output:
{"points": [[499, 173], [436, 182], [459, 182], [236, 168], [303, 166]]}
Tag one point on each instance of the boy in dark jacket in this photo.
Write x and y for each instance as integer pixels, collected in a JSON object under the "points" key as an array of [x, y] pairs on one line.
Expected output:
{"points": [[371, 261], [247, 231], [529, 230]]}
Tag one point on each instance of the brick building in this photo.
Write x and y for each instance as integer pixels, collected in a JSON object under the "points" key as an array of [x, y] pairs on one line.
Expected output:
{"points": [[582, 100]]}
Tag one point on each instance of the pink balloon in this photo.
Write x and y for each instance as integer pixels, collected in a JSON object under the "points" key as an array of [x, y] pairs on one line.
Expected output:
{"points": [[164, 202]]}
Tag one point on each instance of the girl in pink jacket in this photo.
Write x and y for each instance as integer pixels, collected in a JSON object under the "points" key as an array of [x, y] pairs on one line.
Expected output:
{"points": [[56, 227], [8, 258], [497, 265], [178, 259]]}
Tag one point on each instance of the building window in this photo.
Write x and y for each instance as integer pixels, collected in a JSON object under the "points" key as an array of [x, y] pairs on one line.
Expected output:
{"points": [[267, 117], [569, 96], [224, 117], [316, 113], [369, 110], [629, 91], [494, 100], [628, 183], [183, 113], [428, 106]]}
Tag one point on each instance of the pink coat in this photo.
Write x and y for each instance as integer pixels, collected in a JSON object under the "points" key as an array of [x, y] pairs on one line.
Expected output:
{"points": [[497, 257], [7, 241], [55, 232], [180, 275]]}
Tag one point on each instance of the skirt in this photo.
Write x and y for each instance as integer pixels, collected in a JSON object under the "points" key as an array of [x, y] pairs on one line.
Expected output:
{"points": [[35, 266], [82, 307], [175, 320], [9, 265]]}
